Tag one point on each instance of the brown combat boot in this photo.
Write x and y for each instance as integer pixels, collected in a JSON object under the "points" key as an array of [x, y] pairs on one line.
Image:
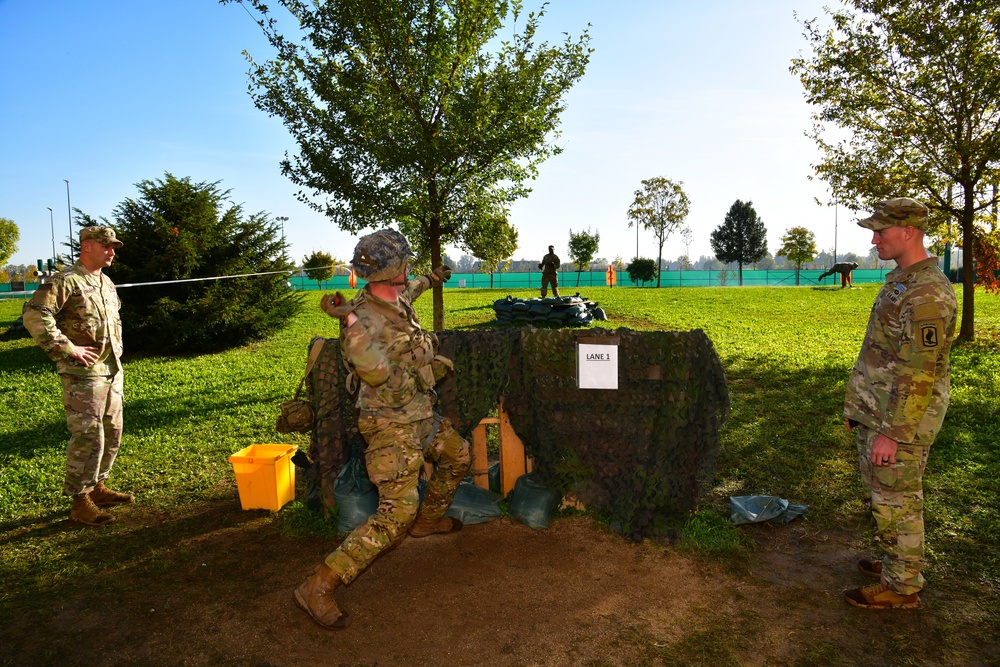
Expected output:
{"points": [[86, 512], [870, 567], [315, 597], [880, 596], [423, 526], [102, 495]]}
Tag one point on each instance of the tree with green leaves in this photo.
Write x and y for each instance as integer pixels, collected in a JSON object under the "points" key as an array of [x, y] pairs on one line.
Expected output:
{"points": [[319, 266], [9, 236], [415, 111], [492, 241], [641, 270], [582, 248], [741, 238], [661, 206], [799, 246], [916, 84], [178, 230]]}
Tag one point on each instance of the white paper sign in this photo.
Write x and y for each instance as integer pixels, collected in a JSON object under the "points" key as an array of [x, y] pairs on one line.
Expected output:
{"points": [[461, 282], [597, 366]]}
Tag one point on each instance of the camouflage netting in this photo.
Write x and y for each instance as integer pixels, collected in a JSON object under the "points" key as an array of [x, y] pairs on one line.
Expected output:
{"points": [[642, 453]]}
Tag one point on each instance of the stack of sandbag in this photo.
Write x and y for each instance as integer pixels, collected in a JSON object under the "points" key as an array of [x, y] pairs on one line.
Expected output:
{"points": [[560, 311]]}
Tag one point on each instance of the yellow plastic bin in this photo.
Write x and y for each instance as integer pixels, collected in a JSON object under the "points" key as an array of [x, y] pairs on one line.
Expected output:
{"points": [[265, 476]]}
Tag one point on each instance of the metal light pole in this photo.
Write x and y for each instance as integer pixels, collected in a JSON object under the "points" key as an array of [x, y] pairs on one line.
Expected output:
{"points": [[69, 215], [52, 224], [282, 219], [834, 232]]}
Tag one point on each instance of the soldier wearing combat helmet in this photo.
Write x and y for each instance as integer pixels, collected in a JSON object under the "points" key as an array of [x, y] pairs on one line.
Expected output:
{"points": [[74, 318], [897, 397], [394, 367]]}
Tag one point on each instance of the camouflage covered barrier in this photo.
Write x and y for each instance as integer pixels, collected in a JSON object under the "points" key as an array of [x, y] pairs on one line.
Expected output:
{"points": [[642, 452]]}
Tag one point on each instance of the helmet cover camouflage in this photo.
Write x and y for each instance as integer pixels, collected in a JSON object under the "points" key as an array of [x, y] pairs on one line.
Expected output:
{"points": [[898, 212], [381, 256]]}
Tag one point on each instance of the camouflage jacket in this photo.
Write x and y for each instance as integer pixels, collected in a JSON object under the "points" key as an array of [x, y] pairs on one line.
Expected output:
{"points": [[75, 308], [550, 263], [392, 356], [900, 383]]}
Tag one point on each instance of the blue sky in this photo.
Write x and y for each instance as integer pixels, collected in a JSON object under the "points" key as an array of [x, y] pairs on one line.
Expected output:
{"points": [[106, 93]]}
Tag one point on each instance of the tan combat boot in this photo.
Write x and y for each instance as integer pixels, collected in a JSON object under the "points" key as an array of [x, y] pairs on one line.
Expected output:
{"points": [[102, 495], [423, 526], [880, 596], [315, 597], [870, 567], [86, 512]]}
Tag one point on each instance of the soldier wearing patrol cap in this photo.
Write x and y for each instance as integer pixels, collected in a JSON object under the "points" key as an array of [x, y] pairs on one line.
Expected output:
{"points": [[550, 265], [394, 367], [897, 397], [74, 318]]}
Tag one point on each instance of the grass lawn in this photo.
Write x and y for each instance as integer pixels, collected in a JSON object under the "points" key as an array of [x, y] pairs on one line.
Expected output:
{"points": [[787, 354]]}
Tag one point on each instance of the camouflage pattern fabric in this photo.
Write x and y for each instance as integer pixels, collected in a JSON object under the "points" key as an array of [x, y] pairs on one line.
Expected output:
{"points": [[643, 453], [900, 382], [392, 355], [550, 264], [897, 498], [94, 419], [382, 255], [900, 387], [75, 308], [394, 460]]}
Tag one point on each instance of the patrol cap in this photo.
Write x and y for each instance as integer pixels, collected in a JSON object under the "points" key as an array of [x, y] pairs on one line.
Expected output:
{"points": [[381, 256], [103, 235], [898, 212]]}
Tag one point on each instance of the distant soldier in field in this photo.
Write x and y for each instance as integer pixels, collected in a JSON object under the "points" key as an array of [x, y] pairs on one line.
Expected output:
{"points": [[550, 266], [846, 271], [74, 318], [897, 397], [394, 365]]}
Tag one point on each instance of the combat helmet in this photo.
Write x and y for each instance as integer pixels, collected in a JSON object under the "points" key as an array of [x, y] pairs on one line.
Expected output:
{"points": [[381, 256]]}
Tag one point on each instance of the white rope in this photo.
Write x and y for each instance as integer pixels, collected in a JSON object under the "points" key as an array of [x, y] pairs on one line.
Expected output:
{"points": [[193, 280]]}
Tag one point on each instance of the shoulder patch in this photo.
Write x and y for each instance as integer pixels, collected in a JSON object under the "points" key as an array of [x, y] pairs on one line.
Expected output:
{"points": [[44, 287], [926, 311]]}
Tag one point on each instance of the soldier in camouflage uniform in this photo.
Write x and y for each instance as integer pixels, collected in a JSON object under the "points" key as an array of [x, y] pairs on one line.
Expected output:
{"points": [[74, 318], [394, 368], [550, 265], [897, 397]]}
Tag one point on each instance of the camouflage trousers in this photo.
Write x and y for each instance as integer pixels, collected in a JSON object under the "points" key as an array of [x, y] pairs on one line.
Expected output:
{"points": [[94, 419], [394, 460], [550, 279], [897, 498]]}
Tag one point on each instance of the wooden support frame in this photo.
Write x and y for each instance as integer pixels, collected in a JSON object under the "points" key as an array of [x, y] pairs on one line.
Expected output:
{"points": [[513, 462]]}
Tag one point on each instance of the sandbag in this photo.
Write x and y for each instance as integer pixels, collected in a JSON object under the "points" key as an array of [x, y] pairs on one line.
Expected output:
{"points": [[532, 503], [356, 496], [474, 505]]}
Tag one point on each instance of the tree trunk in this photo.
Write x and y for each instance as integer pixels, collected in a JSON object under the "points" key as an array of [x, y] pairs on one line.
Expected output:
{"points": [[659, 260], [741, 273], [438, 290], [968, 329]]}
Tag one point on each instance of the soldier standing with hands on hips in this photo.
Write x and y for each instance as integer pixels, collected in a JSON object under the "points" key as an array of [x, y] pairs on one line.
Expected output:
{"points": [[897, 397], [394, 367], [74, 318]]}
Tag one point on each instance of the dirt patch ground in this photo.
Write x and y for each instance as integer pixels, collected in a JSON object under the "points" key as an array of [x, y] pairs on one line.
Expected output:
{"points": [[219, 593]]}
